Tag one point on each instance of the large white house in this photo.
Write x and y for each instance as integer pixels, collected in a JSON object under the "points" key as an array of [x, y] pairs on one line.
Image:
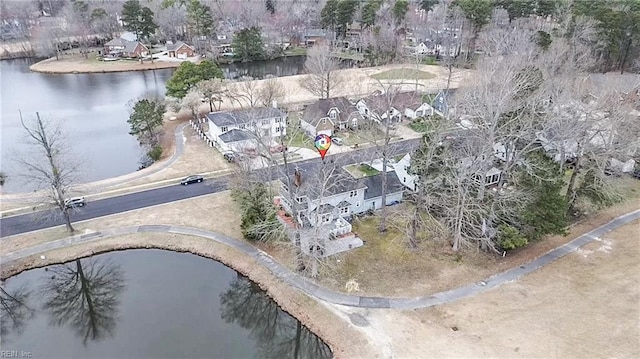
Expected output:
{"points": [[344, 196], [239, 130]]}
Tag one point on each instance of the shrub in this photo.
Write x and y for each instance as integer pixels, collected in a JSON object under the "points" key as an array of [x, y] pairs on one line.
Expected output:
{"points": [[510, 237], [155, 153], [3, 178]]}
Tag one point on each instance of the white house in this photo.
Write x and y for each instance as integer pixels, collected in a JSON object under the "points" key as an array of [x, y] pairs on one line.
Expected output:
{"points": [[339, 200], [401, 169], [239, 130]]}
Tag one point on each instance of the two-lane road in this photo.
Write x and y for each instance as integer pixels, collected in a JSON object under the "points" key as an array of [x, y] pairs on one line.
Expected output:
{"points": [[50, 218]]}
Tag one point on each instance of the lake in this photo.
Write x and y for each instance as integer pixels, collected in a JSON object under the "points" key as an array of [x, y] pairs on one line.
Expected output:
{"points": [[93, 109], [147, 304]]}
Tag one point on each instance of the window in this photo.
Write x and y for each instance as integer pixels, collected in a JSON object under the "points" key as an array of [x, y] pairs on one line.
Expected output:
{"points": [[326, 218], [300, 199], [353, 193], [278, 129], [224, 129], [285, 188], [279, 120], [344, 210], [243, 126], [333, 114], [358, 204]]}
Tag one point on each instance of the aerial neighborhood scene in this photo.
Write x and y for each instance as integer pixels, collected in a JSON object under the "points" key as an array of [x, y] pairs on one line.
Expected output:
{"points": [[320, 179]]}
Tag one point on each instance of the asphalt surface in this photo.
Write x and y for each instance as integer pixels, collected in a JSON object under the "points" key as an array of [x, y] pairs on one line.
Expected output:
{"points": [[24, 223]]}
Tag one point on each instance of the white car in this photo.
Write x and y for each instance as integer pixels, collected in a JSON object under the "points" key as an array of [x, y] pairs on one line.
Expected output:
{"points": [[75, 202], [337, 140]]}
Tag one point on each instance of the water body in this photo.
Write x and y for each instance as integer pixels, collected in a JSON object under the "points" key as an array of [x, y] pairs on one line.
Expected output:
{"points": [[147, 304], [93, 109]]}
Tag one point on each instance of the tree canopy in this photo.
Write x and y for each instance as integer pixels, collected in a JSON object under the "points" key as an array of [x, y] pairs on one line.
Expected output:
{"points": [[248, 45], [189, 74], [138, 19]]}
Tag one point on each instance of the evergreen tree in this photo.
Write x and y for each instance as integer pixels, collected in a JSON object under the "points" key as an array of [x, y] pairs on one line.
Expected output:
{"points": [[138, 19], [189, 74], [248, 45]]}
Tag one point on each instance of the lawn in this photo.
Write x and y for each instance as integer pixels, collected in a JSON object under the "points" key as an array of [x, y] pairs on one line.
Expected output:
{"points": [[403, 74], [296, 51], [419, 126], [361, 170], [386, 266]]}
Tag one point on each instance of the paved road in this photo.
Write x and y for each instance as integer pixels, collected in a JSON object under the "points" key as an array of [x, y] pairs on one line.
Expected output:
{"points": [[309, 287], [45, 219]]}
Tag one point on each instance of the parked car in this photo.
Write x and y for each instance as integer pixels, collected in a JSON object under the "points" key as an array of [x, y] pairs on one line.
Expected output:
{"points": [[337, 140], [229, 156], [192, 179], [75, 202]]}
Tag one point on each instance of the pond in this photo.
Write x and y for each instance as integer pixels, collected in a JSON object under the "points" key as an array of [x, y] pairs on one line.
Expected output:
{"points": [[147, 304], [93, 109]]}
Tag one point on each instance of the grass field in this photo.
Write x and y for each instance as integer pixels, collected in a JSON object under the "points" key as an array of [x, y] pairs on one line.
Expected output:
{"points": [[403, 74]]}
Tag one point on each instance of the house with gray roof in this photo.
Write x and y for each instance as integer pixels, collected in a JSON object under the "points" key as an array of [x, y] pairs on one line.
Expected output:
{"points": [[379, 107], [125, 48], [316, 202], [243, 130], [328, 115]]}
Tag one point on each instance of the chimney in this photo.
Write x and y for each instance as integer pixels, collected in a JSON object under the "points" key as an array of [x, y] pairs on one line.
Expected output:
{"points": [[297, 178]]}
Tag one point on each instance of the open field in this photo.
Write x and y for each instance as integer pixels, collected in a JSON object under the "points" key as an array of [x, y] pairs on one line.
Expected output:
{"points": [[584, 305], [78, 64], [403, 74]]}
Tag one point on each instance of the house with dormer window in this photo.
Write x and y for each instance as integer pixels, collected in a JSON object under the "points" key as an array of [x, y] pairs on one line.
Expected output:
{"points": [[329, 115], [239, 130]]}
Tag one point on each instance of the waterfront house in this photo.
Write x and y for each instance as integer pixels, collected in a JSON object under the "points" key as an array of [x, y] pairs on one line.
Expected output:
{"points": [[245, 130], [180, 50]]}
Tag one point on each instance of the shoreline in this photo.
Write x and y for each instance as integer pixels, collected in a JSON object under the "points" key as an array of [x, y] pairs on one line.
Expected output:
{"points": [[307, 310], [82, 66]]}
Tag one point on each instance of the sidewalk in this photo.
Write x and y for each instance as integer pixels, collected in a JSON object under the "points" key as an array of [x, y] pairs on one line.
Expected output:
{"points": [[308, 286]]}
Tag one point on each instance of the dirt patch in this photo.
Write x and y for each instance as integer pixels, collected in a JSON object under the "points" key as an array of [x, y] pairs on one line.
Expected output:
{"points": [[77, 64], [344, 341]]}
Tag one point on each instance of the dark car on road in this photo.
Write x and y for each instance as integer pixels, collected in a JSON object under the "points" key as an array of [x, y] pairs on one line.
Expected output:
{"points": [[192, 179]]}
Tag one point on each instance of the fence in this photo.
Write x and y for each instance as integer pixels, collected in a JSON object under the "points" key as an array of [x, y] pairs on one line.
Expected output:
{"points": [[197, 126]]}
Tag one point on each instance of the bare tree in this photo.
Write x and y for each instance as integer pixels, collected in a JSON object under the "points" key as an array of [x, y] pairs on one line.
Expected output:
{"points": [[50, 166], [244, 91], [84, 294], [192, 102], [15, 310], [322, 72], [213, 91], [271, 91]]}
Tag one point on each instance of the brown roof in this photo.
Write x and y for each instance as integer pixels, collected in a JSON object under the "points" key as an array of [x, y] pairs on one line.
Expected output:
{"points": [[316, 111], [177, 46]]}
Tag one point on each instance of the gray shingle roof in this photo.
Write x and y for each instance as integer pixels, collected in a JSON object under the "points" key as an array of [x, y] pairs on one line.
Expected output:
{"points": [[129, 46], [325, 208], [235, 135], [341, 182], [379, 103], [320, 109], [237, 117]]}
